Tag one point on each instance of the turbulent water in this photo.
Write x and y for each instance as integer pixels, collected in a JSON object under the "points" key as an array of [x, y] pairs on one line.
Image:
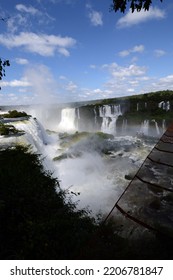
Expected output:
{"points": [[93, 169]]}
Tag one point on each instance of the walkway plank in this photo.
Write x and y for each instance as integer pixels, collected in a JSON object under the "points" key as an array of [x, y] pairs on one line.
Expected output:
{"points": [[148, 199]]}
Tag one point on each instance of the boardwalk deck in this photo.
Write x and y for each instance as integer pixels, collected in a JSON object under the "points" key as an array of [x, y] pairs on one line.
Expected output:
{"points": [[148, 199]]}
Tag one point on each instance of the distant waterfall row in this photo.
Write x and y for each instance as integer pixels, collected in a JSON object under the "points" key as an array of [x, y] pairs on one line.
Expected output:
{"points": [[145, 127], [104, 119]]}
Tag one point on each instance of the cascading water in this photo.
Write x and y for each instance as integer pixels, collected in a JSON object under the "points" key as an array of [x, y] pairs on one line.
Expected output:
{"points": [[124, 126], [165, 105], [163, 126], [37, 138], [81, 166], [77, 118], [68, 118], [145, 127], [109, 114], [157, 127], [95, 116]]}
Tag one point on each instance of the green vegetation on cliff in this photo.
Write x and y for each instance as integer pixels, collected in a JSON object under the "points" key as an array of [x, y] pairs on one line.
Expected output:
{"points": [[37, 221], [149, 96], [15, 114], [7, 129]]}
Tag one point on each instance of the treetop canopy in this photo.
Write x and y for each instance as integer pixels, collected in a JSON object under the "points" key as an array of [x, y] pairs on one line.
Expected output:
{"points": [[135, 5]]}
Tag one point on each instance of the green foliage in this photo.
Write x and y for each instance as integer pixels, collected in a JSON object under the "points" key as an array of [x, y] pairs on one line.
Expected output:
{"points": [[35, 220], [3, 65], [7, 129], [3, 129], [135, 5], [149, 96], [15, 114], [103, 135]]}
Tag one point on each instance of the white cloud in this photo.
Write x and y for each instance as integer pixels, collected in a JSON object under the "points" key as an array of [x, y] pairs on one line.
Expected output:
{"points": [[168, 80], [71, 86], [61, 77], [27, 17], [133, 79], [15, 83], [31, 10], [96, 18], [22, 61], [124, 53], [159, 53], [93, 66], [42, 44], [97, 91], [15, 22], [110, 66], [64, 51], [139, 48], [138, 17], [68, 2], [135, 49], [124, 80], [121, 72]]}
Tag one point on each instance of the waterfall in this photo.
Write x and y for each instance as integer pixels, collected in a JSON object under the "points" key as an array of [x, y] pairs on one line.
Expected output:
{"points": [[164, 105], [145, 127], [163, 126], [35, 133], [167, 106], [124, 126], [35, 136], [77, 113], [68, 117], [157, 128], [109, 114], [95, 116]]}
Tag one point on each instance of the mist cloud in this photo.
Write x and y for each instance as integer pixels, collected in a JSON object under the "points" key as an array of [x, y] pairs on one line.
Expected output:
{"points": [[43, 85]]}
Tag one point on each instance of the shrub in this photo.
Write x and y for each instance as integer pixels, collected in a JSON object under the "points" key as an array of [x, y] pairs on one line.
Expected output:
{"points": [[7, 129], [36, 222], [15, 114], [4, 130]]}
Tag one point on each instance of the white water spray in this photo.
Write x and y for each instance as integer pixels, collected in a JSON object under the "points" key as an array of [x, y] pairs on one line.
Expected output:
{"points": [[67, 123], [110, 114]]}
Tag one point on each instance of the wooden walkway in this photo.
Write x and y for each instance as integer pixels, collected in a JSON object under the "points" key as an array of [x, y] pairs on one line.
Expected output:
{"points": [[148, 199]]}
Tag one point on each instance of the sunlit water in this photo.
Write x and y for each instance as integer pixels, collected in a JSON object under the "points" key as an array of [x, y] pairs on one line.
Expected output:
{"points": [[93, 179]]}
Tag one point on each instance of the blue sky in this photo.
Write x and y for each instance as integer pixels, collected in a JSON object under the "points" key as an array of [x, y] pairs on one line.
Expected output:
{"points": [[77, 50]]}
